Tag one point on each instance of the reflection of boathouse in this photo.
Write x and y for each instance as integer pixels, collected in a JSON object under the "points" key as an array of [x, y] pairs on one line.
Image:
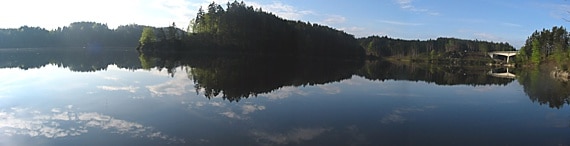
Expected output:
{"points": [[502, 73]]}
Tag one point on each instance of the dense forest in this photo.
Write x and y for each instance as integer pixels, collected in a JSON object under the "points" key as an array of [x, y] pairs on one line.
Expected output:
{"points": [[242, 29], [77, 34], [440, 48], [550, 47]]}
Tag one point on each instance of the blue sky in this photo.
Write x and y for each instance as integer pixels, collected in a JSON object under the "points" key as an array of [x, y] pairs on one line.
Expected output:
{"points": [[493, 20]]}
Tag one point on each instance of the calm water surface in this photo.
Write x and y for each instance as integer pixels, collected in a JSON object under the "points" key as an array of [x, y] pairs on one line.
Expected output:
{"points": [[47, 98]]}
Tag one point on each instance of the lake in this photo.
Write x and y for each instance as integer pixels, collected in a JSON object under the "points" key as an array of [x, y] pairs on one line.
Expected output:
{"points": [[116, 96]]}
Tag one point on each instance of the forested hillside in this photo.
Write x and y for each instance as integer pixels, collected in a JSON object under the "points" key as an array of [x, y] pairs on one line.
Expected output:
{"points": [[245, 30], [77, 34], [547, 46], [236, 28], [385, 47]]}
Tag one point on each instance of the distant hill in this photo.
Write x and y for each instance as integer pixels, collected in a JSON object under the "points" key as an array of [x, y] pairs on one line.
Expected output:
{"points": [[77, 34], [376, 46]]}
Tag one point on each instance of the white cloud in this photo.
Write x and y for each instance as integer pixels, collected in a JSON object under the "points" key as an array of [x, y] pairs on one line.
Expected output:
{"points": [[334, 19], [486, 36], [400, 23], [35, 124], [353, 29], [56, 13], [251, 108], [511, 24], [397, 115], [233, 115], [246, 109], [407, 5], [55, 110], [176, 86], [283, 10], [294, 136], [160, 13], [357, 31], [217, 104], [330, 89], [284, 93], [111, 78], [131, 89], [179, 11]]}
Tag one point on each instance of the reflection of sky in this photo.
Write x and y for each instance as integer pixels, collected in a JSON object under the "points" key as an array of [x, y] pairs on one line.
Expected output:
{"points": [[119, 88], [294, 136], [179, 85], [153, 105], [398, 115], [59, 123]]}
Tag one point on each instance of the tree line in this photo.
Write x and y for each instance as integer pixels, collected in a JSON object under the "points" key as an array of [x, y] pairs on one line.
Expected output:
{"points": [[549, 46], [80, 60], [377, 46], [245, 30], [78, 34]]}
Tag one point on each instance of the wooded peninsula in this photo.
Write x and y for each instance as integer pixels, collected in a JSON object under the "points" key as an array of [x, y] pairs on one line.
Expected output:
{"points": [[245, 30]]}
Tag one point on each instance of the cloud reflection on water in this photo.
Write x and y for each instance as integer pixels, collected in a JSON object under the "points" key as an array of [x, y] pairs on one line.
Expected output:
{"points": [[58, 123], [246, 109], [397, 115], [294, 136], [131, 89], [178, 85], [285, 92]]}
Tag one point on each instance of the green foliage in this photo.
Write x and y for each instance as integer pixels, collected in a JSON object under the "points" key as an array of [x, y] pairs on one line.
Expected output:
{"points": [[547, 45], [432, 54], [521, 57], [242, 29], [535, 56], [147, 62], [77, 34], [559, 56], [541, 87], [386, 47], [82, 34], [147, 36]]}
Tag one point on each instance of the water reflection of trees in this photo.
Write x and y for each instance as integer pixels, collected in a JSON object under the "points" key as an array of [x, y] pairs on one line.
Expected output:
{"points": [[76, 59], [236, 77], [431, 73], [544, 89]]}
